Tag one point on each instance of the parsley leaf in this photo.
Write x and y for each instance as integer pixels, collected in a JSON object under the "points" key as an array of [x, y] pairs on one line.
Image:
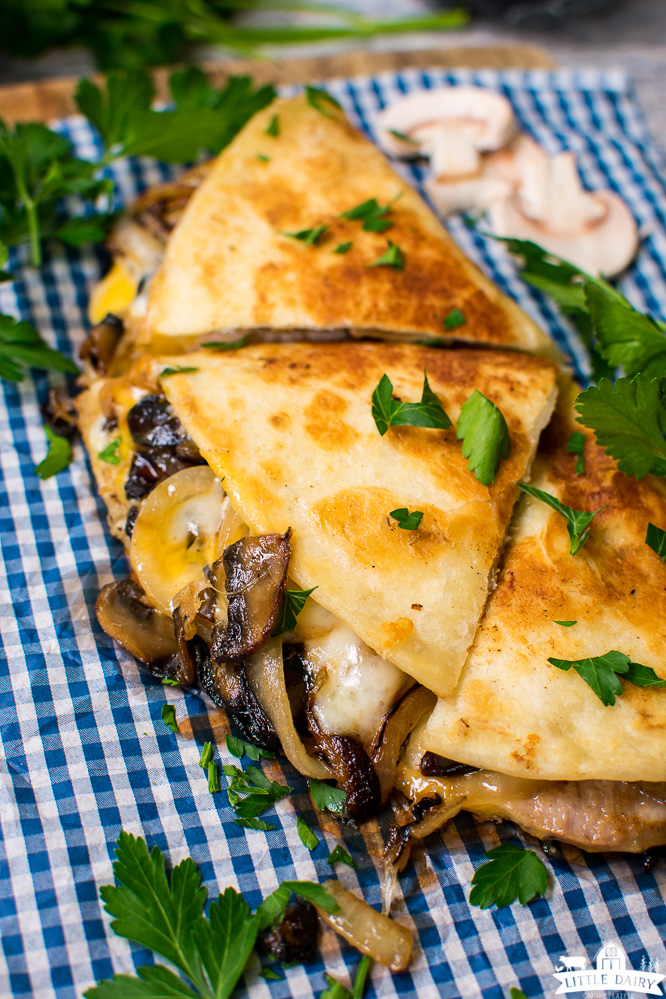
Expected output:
{"points": [[321, 101], [308, 236], [656, 539], [576, 445], [335, 990], [239, 748], [577, 520], [515, 993], [258, 825], [225, 940], [388, 411], [274, 127], [343, 248], [566, 624], [339, 855], [306, 835], [628, 418], [250, 792], [406, 520], [392, 257], [627, 338], [110, 452], [327, 797], [58, 458], [269, 974], [165, 372], [511, 873], [601, 674], [154, 911], [372, 214], [485, 436], [271, 909], [169, 717], [233, 345], [293, 602], [21, 344], [454, 319]]}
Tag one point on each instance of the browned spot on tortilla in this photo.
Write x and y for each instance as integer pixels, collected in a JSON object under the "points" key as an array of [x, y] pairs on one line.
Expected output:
{"points": [[325, 423], [280, 419]]}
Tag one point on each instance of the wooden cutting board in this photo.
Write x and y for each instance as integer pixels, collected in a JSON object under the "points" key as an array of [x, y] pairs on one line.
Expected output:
{"points": [[46, 99]]}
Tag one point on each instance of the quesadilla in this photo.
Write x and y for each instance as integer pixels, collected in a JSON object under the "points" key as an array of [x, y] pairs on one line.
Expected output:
{"points": [[297, 495], [523, 739], [307, 233]]}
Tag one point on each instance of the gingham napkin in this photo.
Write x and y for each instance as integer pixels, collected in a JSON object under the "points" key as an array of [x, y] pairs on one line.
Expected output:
{"points": [[85, 751]]}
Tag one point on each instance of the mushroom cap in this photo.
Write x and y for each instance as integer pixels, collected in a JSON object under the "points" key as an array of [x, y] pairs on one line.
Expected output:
{"points": [[604, 244], [483, 116]]}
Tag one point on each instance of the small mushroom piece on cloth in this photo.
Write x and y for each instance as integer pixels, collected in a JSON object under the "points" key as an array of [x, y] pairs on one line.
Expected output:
{"points": [[593, 229]]}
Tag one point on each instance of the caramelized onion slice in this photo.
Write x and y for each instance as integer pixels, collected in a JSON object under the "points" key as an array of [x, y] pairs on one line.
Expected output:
{"points": [[351, 768], [265, 671], [176, 533], [374, 934], [127, 617], [400, 721], [255, 570]]}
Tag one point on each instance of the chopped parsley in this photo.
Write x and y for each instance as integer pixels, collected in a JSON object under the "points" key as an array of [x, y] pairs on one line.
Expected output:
{"points": [[578, 521], [234, 345], [169, 717], [406, 520], [485, 436], [601, 674], [339, 855], [206, 755], [269, 974], [59, 455], [258, 825], [454, 319], [576, 445], [387, 411], [327, 797], [371, 214], [306, 835], [656, 539], [308, 236], [239, 748], [404, 137], [566, 624], [250, 792], [392, 257], [343, 248], [213, 770], [263, 158], [511, 873], [110, 453], [321, 101], [293, 602], [178, 370], [273, 128]]}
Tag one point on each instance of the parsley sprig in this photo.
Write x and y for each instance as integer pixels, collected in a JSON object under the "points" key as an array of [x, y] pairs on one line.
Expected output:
{"points": [[251, 792], [406, 520], [578, 521], [511, 873], [293, 602], [166, 915], [21, 346], [602, 673], [387, 411]]}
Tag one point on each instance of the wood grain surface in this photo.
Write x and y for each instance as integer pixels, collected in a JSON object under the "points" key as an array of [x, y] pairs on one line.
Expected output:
{"points": [[47, 99]]}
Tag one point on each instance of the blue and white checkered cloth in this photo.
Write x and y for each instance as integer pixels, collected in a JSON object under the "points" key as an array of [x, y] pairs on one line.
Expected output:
{"points": [[85, 753]]}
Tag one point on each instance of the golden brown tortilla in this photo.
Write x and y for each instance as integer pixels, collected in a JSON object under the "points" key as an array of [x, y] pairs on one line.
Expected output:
{"points": [[513, 711], [288, 427], [229, 266]]}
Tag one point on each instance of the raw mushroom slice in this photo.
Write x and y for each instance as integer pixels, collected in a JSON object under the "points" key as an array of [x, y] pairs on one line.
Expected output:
{"points": [[451, 125], [593, 229], [177, 533]]}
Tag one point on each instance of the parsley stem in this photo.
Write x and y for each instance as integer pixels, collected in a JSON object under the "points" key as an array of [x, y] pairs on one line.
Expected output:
{"points": [[206, 755], [33, 220], [361, 976], [213, 777]]}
